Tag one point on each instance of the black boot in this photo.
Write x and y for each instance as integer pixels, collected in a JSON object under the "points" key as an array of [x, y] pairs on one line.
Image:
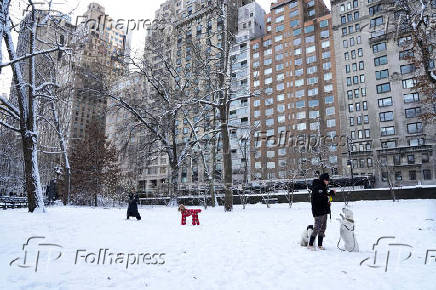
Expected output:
{"points": [[311, 241], [320, 238]]}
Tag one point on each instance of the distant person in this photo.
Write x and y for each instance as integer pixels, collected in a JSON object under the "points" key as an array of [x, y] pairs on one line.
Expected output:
{"points": [[321, 198], [132, 210]]}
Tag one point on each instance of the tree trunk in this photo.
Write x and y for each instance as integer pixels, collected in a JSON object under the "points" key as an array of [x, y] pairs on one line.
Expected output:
{"points": [[212, 172], [227, 163], [31, 173]]}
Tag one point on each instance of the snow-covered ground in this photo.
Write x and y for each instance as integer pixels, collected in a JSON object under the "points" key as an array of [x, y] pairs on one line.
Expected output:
{"points": [[256, 248]]}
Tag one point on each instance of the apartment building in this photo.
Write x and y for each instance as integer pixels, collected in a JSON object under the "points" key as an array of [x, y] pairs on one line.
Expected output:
{"points": [[100, 49], [292, 77], [251, 25], [380, 106]]}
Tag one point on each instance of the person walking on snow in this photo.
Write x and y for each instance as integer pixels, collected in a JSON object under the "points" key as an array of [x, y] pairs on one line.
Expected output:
{"points": [[320, 200]]}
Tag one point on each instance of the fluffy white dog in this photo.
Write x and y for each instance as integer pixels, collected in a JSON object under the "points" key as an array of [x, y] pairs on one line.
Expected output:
{"points": [[305, 236], [346, 231]]}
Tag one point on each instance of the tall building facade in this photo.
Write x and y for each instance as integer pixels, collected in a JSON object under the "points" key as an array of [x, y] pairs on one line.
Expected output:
{"points": [[295, 108], [380, 105], [100, 48], [251, 25]]}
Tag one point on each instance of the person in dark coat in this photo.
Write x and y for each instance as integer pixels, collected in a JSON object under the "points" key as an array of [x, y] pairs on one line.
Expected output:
{"points": [[132, 210], [320, 208]]}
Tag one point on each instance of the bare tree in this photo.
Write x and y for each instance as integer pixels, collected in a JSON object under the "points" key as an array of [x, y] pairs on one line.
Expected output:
{"points": [[414, 26], [21, 110]]}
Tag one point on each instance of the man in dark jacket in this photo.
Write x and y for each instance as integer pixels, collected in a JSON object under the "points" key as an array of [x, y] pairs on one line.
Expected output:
{"points": [[132, 210], [320, 208]]}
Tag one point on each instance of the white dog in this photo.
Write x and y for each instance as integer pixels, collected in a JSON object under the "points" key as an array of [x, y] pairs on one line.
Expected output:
{"points": [[347, 231], [305, 236]]}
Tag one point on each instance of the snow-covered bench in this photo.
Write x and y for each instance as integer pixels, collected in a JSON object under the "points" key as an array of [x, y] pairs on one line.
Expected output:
{"points": [[12, 202]]}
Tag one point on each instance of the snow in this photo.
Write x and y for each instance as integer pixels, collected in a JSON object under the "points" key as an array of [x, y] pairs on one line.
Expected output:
{"points": [[255, 248]]}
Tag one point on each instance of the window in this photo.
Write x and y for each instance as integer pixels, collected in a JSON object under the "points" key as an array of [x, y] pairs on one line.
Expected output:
{"points": [[351, 121], [329, 99], [311, 59], [300, 104], [413, 112], [383, 88], [406, 54], [398, 176], [382, 60], [280, 28], [427, 174], [310, 39], [365, 105], [355, 80], [411, 98], [387, 131], [326, 54], [376, 21], [357, 106], [406, 69], [313, 103], [325, 34], [374, 9], [279, 19], [330, 111], [414, 128], [344, 31], [416, 142], [345, 43], [310, 49], [325, 44], [411, 159], [356, 93], [294, 13], [386, 116], [297, 32], [308, 29], [389, 144], [383, 74], [412, 175], [356, 15], [331, 123], [385, 102], [294, 23], [361, 65], [323, 23], [409, 83]]}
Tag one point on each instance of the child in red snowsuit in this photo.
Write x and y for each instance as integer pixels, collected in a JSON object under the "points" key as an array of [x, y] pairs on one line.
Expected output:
{"points": [[189, 212]]}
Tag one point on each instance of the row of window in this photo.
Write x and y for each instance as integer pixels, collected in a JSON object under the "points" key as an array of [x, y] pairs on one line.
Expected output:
{"points": [[351, 41], [356, 107], [358, 120], [412, 128], [426, 175]]}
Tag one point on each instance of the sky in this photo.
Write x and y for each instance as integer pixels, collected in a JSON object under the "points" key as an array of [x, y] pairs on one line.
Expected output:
{"points": [[124, 9]]}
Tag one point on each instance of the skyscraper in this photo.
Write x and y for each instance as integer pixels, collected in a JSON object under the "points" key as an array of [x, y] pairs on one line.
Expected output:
{"points": [[295, 112]]}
